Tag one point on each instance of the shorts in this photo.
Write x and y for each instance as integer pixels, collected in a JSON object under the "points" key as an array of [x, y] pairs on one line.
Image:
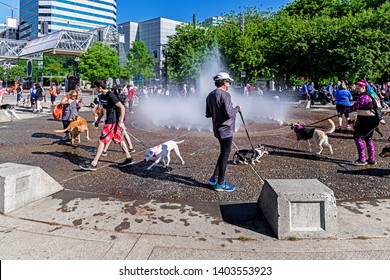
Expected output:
{"points": [[111, 132], [340, 108]]}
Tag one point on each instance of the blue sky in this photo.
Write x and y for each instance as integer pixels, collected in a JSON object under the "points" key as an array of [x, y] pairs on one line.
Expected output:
{"points": [[181, 10]]}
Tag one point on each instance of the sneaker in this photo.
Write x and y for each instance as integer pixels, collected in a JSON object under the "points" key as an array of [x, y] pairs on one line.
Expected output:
{"points": [[128, 161], [349, 127], [338, 128], [88, 166], [65, 139], [372, 162], [103, 154], [131, 151], [359, 162], [224, 187], [213, 180]]}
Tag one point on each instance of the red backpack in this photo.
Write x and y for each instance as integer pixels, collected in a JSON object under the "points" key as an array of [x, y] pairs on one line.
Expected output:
{"points": [[57, 112]]}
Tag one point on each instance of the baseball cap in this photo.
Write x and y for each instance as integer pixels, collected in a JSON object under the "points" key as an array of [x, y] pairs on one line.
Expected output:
{"points": [[222, 76]]}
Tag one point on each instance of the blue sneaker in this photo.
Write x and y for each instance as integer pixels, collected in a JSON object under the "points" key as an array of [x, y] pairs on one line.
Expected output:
{"points": [[224, 187], [213, 180]]}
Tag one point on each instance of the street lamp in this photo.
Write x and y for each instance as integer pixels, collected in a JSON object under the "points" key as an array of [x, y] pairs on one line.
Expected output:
{"points": [[165, 55]]}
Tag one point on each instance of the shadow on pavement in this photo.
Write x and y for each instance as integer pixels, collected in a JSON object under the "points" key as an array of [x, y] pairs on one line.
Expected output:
{"points": [[367, 172], [248, 216], [160, 173]]}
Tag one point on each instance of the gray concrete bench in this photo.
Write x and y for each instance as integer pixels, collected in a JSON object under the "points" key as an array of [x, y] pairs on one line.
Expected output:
{"points": [[299, 208], [23, 184]]}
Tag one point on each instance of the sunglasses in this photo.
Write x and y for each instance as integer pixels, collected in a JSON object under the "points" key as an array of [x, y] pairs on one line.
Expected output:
{"points": [[228, 81]]}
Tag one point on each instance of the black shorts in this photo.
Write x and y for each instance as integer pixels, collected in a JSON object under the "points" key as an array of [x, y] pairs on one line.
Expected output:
{"points": [[340, 108]]}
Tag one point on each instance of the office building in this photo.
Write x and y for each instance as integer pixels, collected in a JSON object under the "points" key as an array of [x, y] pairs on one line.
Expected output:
{"points": [[38, 18], [154, 32]]}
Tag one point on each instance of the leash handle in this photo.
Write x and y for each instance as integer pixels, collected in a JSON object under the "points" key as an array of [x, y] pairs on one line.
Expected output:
{"points": [[247, 134]]}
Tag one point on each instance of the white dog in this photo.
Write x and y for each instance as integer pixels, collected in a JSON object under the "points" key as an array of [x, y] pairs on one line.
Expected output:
{"points": [[161, 151]]}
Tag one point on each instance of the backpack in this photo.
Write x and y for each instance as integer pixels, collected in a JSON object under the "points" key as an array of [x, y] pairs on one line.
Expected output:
{"points": [[122, 98], [377, 109], [57, 111]]}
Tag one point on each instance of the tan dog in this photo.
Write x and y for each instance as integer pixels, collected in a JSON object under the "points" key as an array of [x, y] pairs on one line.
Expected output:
{"points": [[97, 110], [77, 126], [319, 136]]}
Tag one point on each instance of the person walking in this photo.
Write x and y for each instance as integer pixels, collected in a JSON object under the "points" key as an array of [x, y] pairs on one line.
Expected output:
{"points": [[113, 127], [19, 94], [343, 99], [2, 91], [53, 93], [33, 98], [39, 93], [131, 93], [69, 110], [365, 124], [219, 107]]}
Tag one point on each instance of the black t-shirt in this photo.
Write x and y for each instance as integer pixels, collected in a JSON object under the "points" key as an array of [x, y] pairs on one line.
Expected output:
{"points": [[108, 101], [39, 91]]}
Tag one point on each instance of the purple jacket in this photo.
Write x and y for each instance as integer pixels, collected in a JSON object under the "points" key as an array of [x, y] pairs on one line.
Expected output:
{"points": [[363, 102], [219, 107]]}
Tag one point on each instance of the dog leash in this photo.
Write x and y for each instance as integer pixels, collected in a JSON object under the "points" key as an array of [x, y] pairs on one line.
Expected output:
{"points": [[323, 120], [246, 130], [139, 141]]}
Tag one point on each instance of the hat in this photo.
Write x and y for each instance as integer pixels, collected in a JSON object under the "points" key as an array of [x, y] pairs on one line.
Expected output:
{"points": [[361, 84], [222, 76]]}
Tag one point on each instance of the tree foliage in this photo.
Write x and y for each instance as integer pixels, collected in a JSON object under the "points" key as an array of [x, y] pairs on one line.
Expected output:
{"points": [[139, 61], [99, 62], [320, 40]]}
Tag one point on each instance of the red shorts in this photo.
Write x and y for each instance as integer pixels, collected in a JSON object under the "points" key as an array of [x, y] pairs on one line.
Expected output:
{"points": [[111, 132]]}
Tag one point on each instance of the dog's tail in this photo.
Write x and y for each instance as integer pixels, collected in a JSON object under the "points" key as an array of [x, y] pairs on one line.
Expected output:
{"points": [[61, 130], [333, 127], [179, 142]]}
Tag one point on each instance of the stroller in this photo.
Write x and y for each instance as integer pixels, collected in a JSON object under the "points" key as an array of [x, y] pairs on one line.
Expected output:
{"points": [[321, 96]]}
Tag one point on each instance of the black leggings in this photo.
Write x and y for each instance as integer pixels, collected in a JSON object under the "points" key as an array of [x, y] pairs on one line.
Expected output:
{"points": [[220, 168]]}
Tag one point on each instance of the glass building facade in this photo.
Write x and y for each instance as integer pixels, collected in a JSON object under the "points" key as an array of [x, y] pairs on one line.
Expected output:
{"points": [[38, 18], [153, 32]]}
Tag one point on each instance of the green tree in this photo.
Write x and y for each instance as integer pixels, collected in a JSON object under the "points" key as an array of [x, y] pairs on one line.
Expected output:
{"points": [[139, 61], [2, 73], [187, 50], [16, 71], [99, 62]]}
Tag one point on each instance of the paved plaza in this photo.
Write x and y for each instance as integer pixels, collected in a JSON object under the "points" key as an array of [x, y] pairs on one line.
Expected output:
{"points": [[172, 213]]}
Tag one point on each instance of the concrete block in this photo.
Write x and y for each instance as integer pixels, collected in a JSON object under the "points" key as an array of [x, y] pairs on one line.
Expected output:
{"points": [[299, 208], [22, 184], [4, 116]]}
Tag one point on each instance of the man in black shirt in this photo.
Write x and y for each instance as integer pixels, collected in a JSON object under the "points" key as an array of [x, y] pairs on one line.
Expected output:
{"points": [[113, 127]]}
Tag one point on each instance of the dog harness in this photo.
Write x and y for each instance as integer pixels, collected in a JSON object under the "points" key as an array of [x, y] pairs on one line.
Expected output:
{"points": [[156, 150], [303, 133]]}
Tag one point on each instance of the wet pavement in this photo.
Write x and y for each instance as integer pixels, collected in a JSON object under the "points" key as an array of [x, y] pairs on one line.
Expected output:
{"points": [[32, 141], [171, 213]]}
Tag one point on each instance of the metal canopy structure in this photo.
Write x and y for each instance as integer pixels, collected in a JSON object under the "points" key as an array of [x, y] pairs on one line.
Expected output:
{"points": [[64, 42]]}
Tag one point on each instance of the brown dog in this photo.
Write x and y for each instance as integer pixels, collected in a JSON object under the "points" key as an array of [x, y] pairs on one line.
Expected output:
{"points": [[97, 110], [77, 126], [385, 152], [319, 136]]}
